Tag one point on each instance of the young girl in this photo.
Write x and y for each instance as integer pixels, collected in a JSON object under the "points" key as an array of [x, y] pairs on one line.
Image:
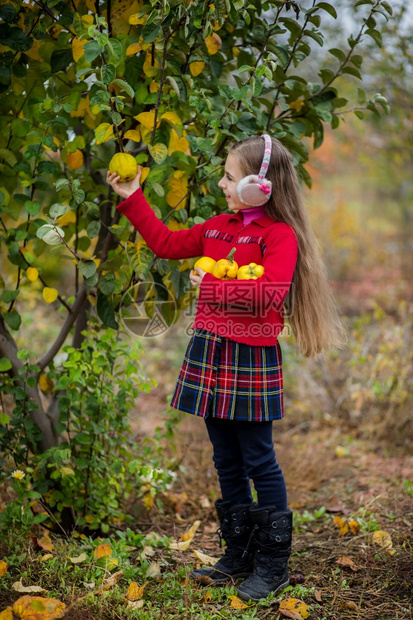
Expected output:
{"points": [[232, 373]]}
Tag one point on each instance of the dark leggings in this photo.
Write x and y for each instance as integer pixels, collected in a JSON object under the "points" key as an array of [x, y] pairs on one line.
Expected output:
{"points": [[244, 450]]}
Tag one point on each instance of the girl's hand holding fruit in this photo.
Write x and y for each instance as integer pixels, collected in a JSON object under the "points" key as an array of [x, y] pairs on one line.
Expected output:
{"points": [[124, 174]]}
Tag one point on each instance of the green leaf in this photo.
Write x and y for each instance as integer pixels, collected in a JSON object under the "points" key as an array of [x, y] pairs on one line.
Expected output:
{"points": [[107, 283], [8, 296], [32, 207], [108, 73], [357, 60], [352, 71], [93, 228], [92, 51], [13, 319], [375, 35], [7, 12], [150, 32], [58, 209], [87, 268], [327, 7], [105, 311], [5, 364], [387, 7], [125, 86], [61, 184], [359, 114], [61, 59]]}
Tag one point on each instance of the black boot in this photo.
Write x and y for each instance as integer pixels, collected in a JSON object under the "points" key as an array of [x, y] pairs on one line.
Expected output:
{"points": [[271, 541], [235, 529]]}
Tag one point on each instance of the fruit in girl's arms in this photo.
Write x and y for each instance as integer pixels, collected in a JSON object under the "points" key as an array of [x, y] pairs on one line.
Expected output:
{"points": [[75, 160], [206, 263], [124, 165], [226, 268], [250, 272]]}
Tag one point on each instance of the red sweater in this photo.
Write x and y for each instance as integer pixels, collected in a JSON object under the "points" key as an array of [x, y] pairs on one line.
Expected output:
{"points": [[248, 311]]}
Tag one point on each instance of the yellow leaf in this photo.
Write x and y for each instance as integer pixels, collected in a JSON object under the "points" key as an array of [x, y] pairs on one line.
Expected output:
{"points": [[46, 557], [159, 152], [121, 11], [153, 87], [135, 592], [196, 68], [104, 132], [354, 527], [149, 69], [133, 49], [46, 384], [75, 160], [67, 218], [180, 545], [80, 558], [38, 608], [172, 224], [32, 274], [213, 43], [178, 184], [110, 581], [50, 294], [383, 540], [133, 134], [237, 603], [144, 173], [191, 532], [172, 118], [102, 550], [3, 568], [19, 587], [33, 52], [135, 20], [297, 104], [7, 614], [147, 119], [176, 143], [108, 562], [294, 605], [146, 135], [78, 48], [207, 596], [205, 559]]}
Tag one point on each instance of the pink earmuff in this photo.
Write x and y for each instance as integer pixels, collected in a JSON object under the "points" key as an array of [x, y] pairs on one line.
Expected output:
{"points": [[255, 189]]}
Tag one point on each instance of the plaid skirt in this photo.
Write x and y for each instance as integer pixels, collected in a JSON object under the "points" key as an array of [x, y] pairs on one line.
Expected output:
{"points": [[230, 380]]}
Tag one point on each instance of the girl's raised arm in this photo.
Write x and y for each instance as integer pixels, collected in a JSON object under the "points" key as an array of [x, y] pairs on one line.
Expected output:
{"points": [[163, 242]]}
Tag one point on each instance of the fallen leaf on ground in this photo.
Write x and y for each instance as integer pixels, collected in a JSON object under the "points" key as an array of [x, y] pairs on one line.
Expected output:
{"points": [[317, 595], [345, 561], [135, 592], [3, 568], [180, 545], [204, 502], [350, 605], [354, 526], [110, 582], [237, 603], [19, 587], [207, 597], [38, 608], [341, 524], [44, 543], [204, 580], [7, 614], [147, 551], [47, 556], [102, 550], [383, 540], [205, 559], [136, 604], [153, 571], [191, 532], [294, 608], [80, 558]]}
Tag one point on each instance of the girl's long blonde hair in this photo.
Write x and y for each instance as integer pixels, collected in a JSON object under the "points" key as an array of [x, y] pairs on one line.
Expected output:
{"points": [[315, 318]]}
